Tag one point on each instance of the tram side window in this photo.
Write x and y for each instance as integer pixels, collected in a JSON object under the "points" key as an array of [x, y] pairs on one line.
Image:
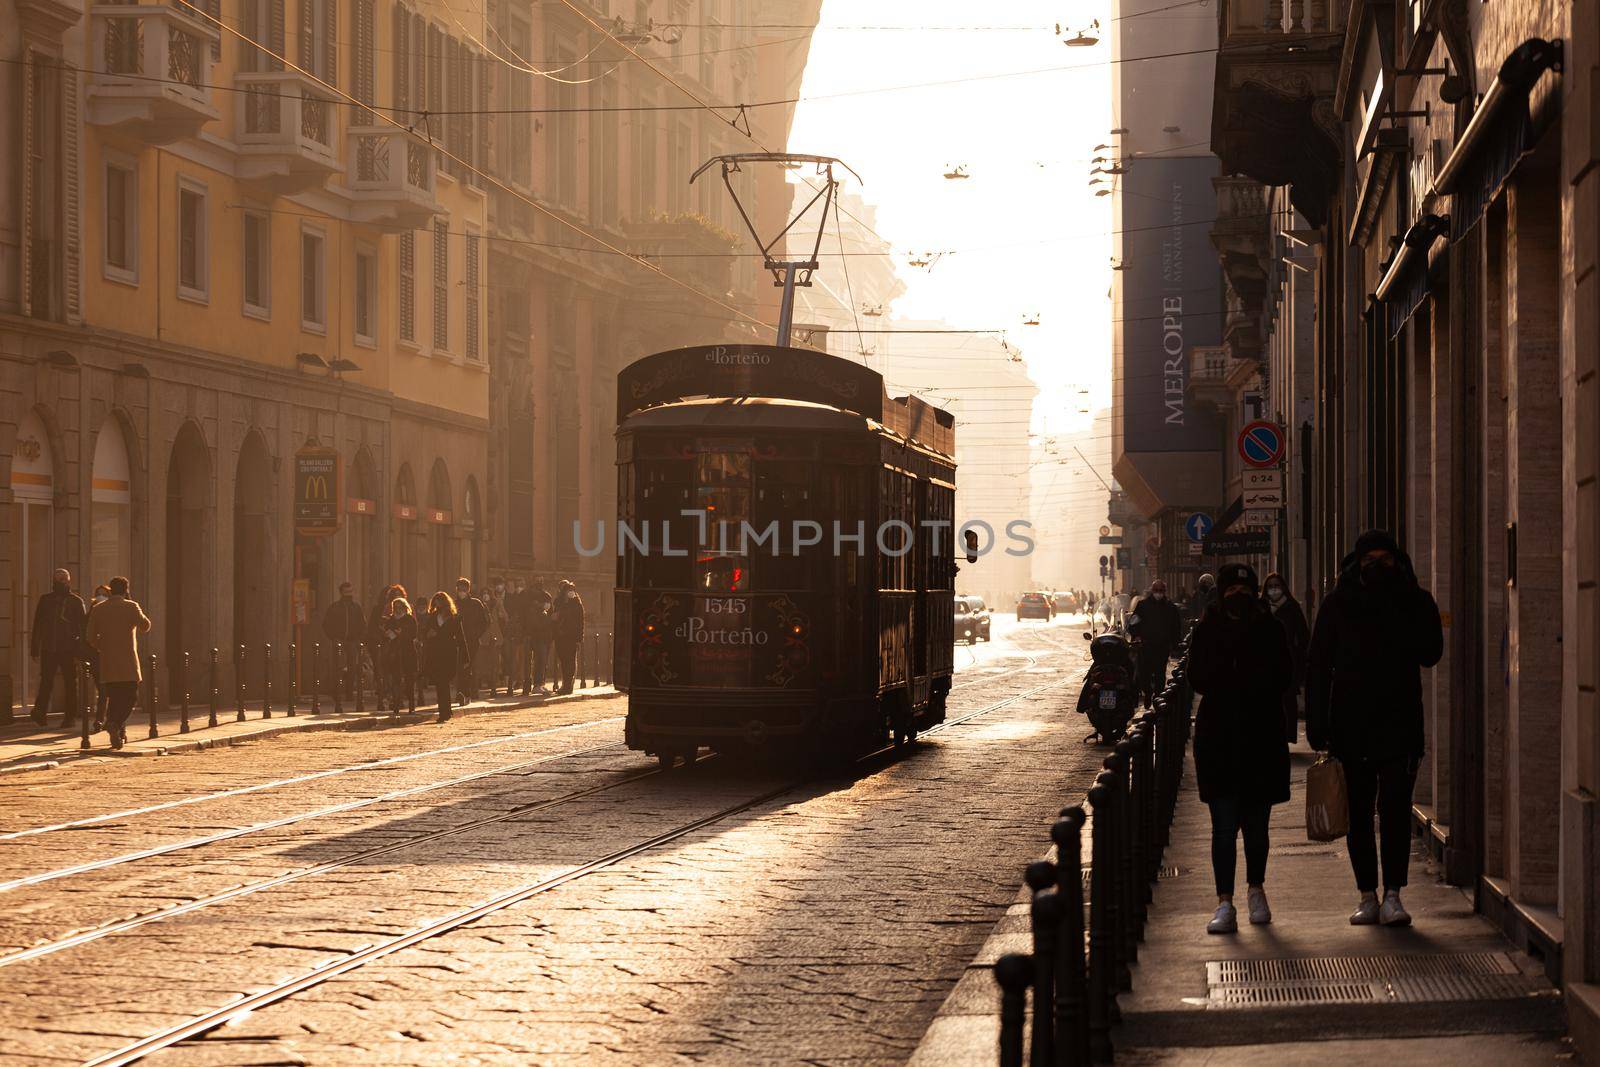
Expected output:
{"points": [[942, 508], [784, 496], [664, 493], [627, 515], [894, 496], [722, 491]]}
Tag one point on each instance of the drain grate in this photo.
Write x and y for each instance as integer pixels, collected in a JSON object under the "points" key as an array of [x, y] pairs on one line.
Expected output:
{"points": [[1397, 979]]}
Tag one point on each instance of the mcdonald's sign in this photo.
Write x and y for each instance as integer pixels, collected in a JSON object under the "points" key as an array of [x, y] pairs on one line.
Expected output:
{"points": [[318, 493]]}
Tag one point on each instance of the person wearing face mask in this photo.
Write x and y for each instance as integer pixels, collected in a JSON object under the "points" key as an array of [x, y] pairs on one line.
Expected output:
{"points": [[56, 642], [1286, 609], [1205, 594], [567, 615], [444, 648], [1156, 626], [1374, 634], [1239, 664]]}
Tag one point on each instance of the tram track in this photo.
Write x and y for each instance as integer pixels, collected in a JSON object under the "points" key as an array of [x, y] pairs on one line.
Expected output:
{"points": [[82, 937], [202, 1023]]}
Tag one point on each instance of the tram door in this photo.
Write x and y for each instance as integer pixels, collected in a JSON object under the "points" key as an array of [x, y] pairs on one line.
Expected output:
{"points": [[921, 630]]}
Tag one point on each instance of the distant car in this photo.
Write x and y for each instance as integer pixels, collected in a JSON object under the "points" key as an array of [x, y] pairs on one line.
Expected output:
{"points": [[1035, 606], [972, 619], [1067, 602]]}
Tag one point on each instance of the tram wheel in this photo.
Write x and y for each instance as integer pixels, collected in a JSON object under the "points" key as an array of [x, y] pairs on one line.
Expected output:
{"points": [[665, 760]]}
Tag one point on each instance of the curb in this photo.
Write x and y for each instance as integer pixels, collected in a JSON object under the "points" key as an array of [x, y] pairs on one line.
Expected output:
{"points": [[374, 721]]}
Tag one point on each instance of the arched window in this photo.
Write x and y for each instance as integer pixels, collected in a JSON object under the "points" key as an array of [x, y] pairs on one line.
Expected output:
{"points": [[111, 497]]}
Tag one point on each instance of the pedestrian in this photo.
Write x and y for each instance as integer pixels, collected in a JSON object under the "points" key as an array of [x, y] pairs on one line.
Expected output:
{"points": [[55, 641], [1286, 609], [541, 632], [567, 614], [1155, 625], [91, 658], [344, 624], [444, 649], [113, 630], [486, 662], [518, 605], [1205, 594], [1239, 663], [381, 611], [474, 621], [397, 653], [1374, 634]]}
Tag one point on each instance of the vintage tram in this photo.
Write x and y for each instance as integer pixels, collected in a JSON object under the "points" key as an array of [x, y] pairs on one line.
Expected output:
{"points": [[785, 552]]}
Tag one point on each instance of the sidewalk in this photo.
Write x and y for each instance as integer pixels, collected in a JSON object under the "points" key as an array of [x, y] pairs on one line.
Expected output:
{"points": [[27, 747], [1310, 988]]}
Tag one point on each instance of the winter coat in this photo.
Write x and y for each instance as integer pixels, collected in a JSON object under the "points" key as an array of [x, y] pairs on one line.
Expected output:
{"points": [[444, 648], [1240, 668], [1363, 672], [397, 643], [344, 622], [57, 624], [474, 619], [113, 629], [1293, 620], [568, 612], [538, 623], [1157, 627]]}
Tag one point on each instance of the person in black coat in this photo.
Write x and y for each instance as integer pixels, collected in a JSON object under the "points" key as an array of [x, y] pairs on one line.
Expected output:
{"points": [[1286, 609], [56, 641], [1374, 633], [567, 622], [474, 621], [396, 642], [345, 625], [1157, 626], [444, 648], [1239, 664]]}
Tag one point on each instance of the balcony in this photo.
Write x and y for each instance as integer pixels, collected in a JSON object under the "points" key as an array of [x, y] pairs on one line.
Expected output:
{"points": [[152, 63], [286, 131], [1277, 75], [700, 247], [392, 174]]}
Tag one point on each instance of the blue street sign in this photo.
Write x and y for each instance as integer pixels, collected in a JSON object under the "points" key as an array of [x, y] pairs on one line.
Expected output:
{"points": [[1197, 526]]}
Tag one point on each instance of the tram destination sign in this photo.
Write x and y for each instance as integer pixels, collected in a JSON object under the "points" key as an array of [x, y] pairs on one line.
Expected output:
{"points": [[318, 495], [749, 370]]}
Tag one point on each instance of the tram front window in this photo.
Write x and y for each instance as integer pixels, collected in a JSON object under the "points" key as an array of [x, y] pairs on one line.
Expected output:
{"points": [[722, 493]]}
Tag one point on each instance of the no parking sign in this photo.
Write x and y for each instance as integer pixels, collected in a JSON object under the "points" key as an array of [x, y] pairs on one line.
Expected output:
{"points": [[1261, 444]]}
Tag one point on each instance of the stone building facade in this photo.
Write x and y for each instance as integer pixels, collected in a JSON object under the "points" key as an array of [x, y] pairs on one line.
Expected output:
{"points": [[234, 231], [1442, 166]]}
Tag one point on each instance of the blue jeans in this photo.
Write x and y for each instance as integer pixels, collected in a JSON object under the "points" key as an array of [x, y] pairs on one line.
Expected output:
{"points": [[1228, 818]]}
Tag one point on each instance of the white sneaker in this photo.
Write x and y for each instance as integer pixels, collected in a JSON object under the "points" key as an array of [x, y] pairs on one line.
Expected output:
{"points": [[1225, 921], [1260, 913], [1366, 913], [1393, 913]]}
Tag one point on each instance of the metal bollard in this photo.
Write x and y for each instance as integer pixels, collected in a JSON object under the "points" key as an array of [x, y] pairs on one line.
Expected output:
{"points": [[152, 694], [1102, 967], [86, 705], [212, 721], [338, 677], [1071, 1024], [238, 683], [361, 706], [316, 678], [1140, 875], [1127, 944], [1013, 972], [266, 681], [1045, 916], [183, 697], [611, 667], [294, 677]]}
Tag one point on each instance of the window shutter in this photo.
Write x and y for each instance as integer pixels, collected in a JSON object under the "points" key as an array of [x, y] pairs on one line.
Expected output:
{"points": [[401, 62], [453, 98], [214, 9], [330, 45], [275, 34], [486, 72], [364, 31], [249, 52], [308, 35]]}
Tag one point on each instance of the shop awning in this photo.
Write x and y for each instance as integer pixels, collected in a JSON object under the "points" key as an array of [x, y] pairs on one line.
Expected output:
{"points": [[1498, 135]]}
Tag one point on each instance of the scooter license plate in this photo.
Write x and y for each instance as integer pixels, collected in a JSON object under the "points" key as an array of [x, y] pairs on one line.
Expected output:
{"points": [[1108, 699]]}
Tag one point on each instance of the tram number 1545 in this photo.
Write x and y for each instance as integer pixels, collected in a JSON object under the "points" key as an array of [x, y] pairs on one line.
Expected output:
{"points": [[726, 605]]}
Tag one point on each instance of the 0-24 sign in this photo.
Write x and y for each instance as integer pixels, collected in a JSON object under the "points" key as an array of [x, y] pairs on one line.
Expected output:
{"points": [[318, 493]]}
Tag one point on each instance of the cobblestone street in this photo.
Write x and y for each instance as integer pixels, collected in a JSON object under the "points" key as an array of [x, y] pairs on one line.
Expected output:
{"points": [[715, 914]]}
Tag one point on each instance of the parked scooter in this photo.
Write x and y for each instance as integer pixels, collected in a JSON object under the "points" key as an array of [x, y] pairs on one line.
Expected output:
{"points": [[1110, 690]]}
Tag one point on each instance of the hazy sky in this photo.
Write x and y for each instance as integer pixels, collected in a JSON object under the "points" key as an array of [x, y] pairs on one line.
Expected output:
{"points": [[1025, 232]]}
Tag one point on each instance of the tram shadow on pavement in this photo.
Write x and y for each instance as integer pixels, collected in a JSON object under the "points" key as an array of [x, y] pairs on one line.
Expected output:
{"points": [[574, 807]]}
